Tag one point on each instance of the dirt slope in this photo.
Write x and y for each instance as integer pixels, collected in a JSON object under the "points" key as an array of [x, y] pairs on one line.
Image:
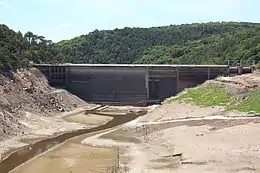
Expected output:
{"points": [[29, 91], [237, 84]]}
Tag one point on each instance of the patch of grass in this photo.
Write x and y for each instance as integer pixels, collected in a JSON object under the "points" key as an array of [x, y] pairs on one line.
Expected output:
{"points": [[257, 66], [207, 96], [204, 96], [248, 102], [122, 135]]}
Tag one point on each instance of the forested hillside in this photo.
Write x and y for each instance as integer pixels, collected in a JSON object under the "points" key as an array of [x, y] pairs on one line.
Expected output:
{"points": [[207, 43], [17, 50]]}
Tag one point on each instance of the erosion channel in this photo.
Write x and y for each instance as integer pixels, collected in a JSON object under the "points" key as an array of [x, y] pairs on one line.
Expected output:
{"points": [[26, 153]]}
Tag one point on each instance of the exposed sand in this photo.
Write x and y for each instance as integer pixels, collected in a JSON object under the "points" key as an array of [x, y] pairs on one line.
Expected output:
{"points": [[71, 157], [179, 110], [76, 156], [90, 120], [186, 138], [39, 128], [173, 138], [231, 149], [217, 144]]}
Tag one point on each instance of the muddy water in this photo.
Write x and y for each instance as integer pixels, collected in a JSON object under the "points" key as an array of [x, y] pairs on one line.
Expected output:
{"points": [[28, 152]]}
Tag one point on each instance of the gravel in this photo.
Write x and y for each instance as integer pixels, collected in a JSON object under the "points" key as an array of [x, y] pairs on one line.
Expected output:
{"points": [[29, 91]]}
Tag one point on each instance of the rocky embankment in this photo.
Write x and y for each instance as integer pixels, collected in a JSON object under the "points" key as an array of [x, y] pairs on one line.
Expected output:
{"points": [[238, 84], [29, 91]]}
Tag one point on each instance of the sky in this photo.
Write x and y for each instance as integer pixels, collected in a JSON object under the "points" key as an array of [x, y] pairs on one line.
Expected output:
{"points": [[64, 19]]}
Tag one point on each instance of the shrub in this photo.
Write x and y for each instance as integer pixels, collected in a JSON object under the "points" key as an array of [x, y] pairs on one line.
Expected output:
{"points": [[257, 66]]}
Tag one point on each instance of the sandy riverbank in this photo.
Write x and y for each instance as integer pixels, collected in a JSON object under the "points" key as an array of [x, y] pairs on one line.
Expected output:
{"points": [[215, 142], [175, 137], [74, 153], [39, 128]]}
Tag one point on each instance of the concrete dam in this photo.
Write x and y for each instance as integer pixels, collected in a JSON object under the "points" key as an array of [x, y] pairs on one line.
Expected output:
{"points": [[129, 83]]}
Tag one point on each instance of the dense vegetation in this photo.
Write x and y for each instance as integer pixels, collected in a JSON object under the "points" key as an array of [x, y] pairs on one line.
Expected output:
{"points": [[207, 43], [17, 50]]}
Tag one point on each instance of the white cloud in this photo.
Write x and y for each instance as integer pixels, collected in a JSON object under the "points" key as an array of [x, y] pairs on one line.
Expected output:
{"points": [[65, 24]]}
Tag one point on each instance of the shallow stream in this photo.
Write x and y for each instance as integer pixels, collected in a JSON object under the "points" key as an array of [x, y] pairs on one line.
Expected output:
{"points": [[26, 153]]}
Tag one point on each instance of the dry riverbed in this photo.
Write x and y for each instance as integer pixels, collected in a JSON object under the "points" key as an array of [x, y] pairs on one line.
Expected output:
{"points": [[72, 155], [39, 128], [175, 137], [186, 142]]}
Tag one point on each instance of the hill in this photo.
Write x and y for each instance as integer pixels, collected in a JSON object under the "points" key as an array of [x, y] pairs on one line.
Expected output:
{"points": [[206, 43], [16, 49]]}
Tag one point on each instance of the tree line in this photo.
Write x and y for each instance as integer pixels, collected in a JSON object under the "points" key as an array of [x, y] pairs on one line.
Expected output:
{"points": [[17, 50], [199, 43]]}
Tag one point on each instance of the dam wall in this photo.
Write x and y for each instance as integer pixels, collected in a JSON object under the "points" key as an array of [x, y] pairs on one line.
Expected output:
{"points": [[128, 83]]}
